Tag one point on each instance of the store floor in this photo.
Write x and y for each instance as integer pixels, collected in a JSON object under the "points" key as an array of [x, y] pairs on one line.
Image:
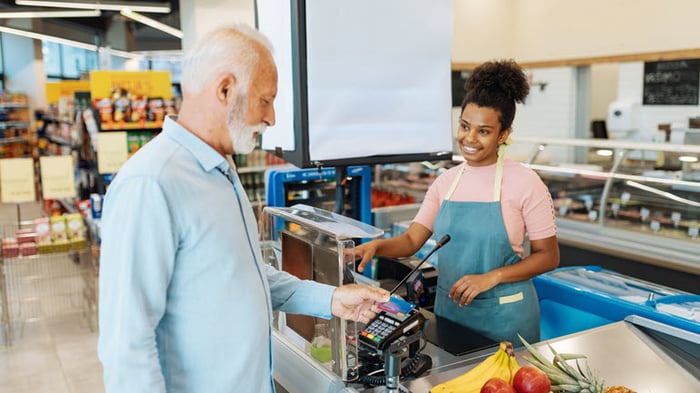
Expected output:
{"points": [[50, 344]]}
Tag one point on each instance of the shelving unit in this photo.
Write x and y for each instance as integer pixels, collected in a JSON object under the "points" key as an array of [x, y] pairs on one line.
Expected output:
{"points": [[16, 136]]}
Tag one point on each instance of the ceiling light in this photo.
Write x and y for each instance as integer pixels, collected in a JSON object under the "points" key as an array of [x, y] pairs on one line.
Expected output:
{"points": [[77, 44], [604, 152], [104, 5], [50, 14], [129, 13], [688, 159], [44, 37]]}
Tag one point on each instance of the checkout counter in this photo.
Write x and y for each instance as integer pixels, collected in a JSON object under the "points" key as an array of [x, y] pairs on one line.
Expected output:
{"points": [[643, 354]]}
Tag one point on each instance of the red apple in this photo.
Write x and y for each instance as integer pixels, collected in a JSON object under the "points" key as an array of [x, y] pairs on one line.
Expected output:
{"points": [[530, 379], [497, 385]]}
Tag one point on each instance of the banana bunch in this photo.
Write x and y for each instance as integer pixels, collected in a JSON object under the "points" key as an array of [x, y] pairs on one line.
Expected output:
{"points": [[501, 364]]}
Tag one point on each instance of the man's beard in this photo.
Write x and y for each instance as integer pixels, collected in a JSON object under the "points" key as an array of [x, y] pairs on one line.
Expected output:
{"points": [[243, 136]]}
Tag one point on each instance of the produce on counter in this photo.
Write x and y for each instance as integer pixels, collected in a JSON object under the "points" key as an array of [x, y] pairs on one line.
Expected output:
{"points": [[501, 364], [530, 379], [497, 385], [565, 378]]}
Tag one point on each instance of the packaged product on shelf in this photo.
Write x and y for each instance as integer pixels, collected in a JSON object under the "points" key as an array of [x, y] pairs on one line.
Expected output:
{"points": [[104, 106], [42, 230], [156, 112], [75, 226], [10, 248], [170, 107], [96, 205], [58, 229], [25, 236], [27, 249], [139, 109]]}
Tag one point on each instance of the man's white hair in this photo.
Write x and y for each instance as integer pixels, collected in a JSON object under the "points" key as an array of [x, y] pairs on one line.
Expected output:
{"points": [[233, 49]]}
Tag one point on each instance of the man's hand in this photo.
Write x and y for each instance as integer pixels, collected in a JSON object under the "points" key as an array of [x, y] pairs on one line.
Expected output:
{"points": [[357, 302]]}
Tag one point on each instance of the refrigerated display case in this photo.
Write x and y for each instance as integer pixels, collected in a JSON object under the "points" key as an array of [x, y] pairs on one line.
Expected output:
{"points": [[573, 299], [634, 200]]}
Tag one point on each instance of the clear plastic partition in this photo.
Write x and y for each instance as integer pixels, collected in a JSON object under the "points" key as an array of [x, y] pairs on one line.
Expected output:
{"points": [[316, 244]]}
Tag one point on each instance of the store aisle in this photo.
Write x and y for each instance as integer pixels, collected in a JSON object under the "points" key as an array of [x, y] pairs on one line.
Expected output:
{"points": [[50, 344]]}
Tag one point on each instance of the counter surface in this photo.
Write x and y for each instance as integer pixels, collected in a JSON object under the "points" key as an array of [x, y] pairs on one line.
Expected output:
{"points": [[620, 353]]}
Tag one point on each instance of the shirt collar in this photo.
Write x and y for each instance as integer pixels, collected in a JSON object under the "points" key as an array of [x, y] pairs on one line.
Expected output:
{"points": [[207, 157]]}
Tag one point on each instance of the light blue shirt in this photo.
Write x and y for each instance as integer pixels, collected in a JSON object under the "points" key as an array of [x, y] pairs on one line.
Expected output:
{"points": [[185, 298]]}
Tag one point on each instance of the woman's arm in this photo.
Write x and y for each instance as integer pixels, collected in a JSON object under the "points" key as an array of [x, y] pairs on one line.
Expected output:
{"points": [[403, 245], [544, 257]]}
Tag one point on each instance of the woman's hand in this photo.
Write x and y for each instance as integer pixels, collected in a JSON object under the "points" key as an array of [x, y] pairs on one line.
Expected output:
{"points": [[366, 252], [470, 286]]}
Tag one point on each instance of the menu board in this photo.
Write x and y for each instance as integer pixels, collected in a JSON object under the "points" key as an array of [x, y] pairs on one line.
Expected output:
{"points": [[675, 82]]}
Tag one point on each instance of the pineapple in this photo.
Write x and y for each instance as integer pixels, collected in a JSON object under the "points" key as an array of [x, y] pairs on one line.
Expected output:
{"points": [[565, 378]]}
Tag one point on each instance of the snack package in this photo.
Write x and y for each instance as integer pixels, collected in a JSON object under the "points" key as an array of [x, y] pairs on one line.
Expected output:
{"points": [[156, 112], [42, 230], [58, 229], [75, 227]]}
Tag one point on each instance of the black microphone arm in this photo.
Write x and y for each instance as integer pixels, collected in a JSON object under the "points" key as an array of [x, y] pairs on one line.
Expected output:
{"points": [[439, 245]]}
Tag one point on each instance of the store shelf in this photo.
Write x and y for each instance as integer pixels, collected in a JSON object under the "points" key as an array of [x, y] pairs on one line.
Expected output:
{"points": [[62, 141], [13, 124], [7, 141]]}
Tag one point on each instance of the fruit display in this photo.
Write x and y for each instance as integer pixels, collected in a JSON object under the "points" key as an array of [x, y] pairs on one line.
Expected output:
{"points": [[530, 379], [501, 364], [564, 377]]}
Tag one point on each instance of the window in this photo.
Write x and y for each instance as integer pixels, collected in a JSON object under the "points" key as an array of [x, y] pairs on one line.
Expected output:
{"points": [[67, 62]]}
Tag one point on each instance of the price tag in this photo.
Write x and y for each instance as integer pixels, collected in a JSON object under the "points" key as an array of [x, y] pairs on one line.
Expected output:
{"points": [[17, 180], [655, 226], [693, 232], [625, 197], [644, 212]]}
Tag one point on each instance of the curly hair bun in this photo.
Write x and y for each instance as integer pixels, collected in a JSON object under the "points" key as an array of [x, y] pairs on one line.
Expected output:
{"points": [[502, 76]]}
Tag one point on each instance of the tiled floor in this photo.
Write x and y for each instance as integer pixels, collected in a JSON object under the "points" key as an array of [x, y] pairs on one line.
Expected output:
{"points": [[50, 344]]}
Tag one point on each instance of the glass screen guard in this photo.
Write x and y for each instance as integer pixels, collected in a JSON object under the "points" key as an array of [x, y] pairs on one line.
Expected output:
{"points": [[316, 244]]}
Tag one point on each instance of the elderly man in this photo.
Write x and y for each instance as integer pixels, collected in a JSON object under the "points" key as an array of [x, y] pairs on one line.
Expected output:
{"points": [[185, 298]]}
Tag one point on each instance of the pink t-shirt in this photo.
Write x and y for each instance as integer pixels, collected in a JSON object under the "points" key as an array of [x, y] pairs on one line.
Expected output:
{"points": [[526, 203]]}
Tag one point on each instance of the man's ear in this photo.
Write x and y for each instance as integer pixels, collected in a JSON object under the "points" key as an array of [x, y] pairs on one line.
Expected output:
{"points": [[225, 88]]}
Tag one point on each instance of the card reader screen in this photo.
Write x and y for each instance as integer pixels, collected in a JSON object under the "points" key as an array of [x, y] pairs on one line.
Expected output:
{"points": [[398, 308]]}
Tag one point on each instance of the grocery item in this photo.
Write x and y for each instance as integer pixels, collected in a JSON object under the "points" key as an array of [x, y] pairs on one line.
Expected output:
{"points": [[565, 378], [58, 229], [42, 229], [501, 364]]}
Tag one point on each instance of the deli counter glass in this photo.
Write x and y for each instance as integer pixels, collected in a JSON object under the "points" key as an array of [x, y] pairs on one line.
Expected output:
{"points": [[634, 200]]}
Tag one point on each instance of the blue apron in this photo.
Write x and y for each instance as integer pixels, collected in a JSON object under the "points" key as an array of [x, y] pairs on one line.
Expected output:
{"points": [[480, 244]]}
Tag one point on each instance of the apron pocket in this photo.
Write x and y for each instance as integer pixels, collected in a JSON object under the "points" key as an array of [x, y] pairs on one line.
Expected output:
{"points": [[517, 297]]}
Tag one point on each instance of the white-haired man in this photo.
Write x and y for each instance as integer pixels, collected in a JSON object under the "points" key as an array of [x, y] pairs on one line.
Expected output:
{"points": [[185, 299]]}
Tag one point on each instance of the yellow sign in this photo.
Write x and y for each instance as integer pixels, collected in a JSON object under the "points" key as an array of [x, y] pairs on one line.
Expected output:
{"points": [[140, 83], [112, 151], [17, 180], [57, 177], [55, 90]]}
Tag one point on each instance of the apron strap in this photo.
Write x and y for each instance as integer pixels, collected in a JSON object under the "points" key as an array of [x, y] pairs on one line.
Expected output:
{"points": [[496, 184], [499, 178], [455, 182]]}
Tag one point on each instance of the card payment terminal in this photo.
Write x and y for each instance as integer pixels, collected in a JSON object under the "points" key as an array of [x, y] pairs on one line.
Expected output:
{"points": [[396, 319]]}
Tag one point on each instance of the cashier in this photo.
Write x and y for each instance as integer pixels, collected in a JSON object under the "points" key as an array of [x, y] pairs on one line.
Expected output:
{"points": [[488, 205]]}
